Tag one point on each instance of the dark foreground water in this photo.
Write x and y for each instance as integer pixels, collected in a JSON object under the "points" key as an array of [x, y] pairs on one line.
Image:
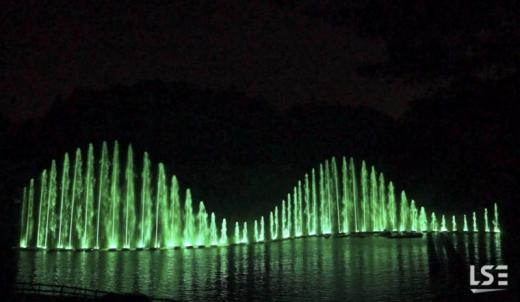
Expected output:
{"points": [[310, 269]]}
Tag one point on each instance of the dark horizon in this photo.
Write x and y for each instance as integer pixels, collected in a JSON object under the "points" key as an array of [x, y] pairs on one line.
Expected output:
{"points": [[286, 53]]}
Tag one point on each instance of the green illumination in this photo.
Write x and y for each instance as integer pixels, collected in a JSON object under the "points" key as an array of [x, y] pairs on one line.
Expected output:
{"points": [[346, 198], [443, 224], [433, 223], [245, 238], [223, 234], [453, 224], [423, 220], [374, 200], [475, 227], [314, 207], [403, 213], [364, 197], [382, 203], [413, 217], [111, 203], [486, 224], [276, 224], [496, 227], [213, 237], [237, 238]]}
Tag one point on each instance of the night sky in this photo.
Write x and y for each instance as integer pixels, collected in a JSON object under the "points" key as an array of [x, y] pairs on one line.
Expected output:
{"points": [[281, 53]]}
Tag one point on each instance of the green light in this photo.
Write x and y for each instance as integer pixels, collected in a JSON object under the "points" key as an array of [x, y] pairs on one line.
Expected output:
{"points": [[223, 234], [433, 223], [453, 224], [213, 230], [403, 213], [413, 217], [496, 227], [443, 224], [486, 224], [423, 220], [111, 204], [475, 228], [392, 216], [244, 233]]}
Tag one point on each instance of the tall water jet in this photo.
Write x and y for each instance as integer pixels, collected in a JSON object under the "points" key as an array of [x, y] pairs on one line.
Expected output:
{"points": [[443, 224], [75, 195], [328, 199], [276, 223], [307, 205], [392, 210], [496, 227], [486, 224], [285, 229], [324, 201], [162, 212], [113, 241], [102, 202], [475, 227], [345, 197], [213, 237], [465, 224], [189, 221], [271, 226], [289, 216], [262, 229], [403, 213], [146, 203], [364, 197], [237, 238], [244, 233], [88, 203], [374, 200], [297, 212], [51, 204], [129, 198], [256, 231], [23, 217], [423, 220], [202, 223], [413, 217], [64, 201], [42, 203], [314, 207], [176, 215], [299, 230], [335, 192], [27, 224], [433, 226], [354, 192], [382, 203], [223, 233], [453, 224]]}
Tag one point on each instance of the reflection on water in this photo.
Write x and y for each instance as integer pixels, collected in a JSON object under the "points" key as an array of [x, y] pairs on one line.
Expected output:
{"points": [[308, 269]]}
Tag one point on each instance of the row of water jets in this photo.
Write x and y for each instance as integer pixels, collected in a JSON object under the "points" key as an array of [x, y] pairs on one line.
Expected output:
{"points": [[91, 204]]}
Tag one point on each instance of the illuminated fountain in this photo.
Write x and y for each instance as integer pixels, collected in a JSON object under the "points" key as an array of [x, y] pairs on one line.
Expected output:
{"points": [[111, 204]]}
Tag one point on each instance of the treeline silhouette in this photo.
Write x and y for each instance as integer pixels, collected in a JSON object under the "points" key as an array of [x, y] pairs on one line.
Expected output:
{"points": [[453, 151]]}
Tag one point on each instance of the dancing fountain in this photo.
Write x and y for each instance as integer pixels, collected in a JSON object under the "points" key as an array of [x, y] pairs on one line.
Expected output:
{"points": [[109, 205]]}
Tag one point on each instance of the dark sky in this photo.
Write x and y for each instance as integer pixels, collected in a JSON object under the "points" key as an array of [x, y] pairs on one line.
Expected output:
{"points": [[264, 49]]}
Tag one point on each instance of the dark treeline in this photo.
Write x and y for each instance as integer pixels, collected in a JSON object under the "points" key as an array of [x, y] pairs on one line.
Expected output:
{"points": [[454, 151]]}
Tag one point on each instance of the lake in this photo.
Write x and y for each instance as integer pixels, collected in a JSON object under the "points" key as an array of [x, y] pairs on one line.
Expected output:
{"points": [[306, 269]]}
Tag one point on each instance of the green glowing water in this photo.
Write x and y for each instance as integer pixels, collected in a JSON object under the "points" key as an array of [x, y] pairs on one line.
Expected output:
{"points": [[108, 203]]}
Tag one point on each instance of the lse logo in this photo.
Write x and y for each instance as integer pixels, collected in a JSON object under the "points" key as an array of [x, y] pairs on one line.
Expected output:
{"points": [[489, 272]]}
